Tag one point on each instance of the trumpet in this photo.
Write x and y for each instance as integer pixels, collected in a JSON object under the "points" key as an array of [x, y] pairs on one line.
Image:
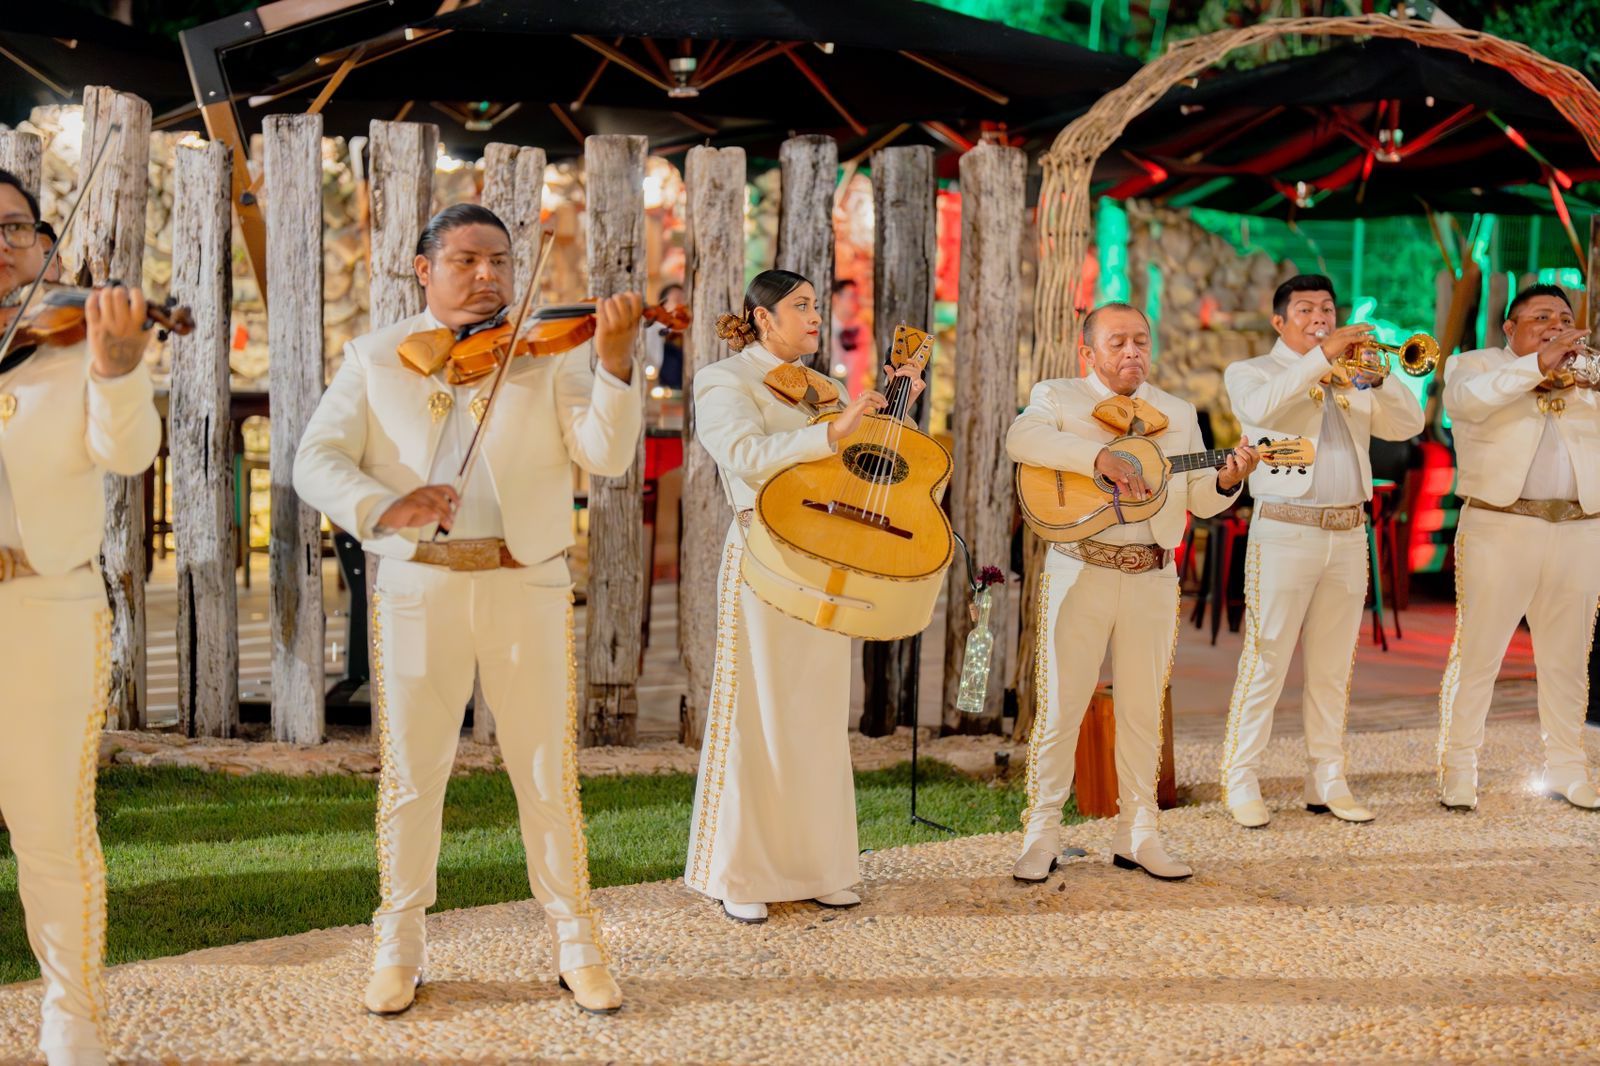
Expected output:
{"points": [[1582, 367], [1418, 355]]}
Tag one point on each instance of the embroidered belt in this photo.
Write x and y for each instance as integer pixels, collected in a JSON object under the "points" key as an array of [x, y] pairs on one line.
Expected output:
{"points": [[1549, 510], [489, 553], [1127, 558], [1332, 518], [14, 564]]}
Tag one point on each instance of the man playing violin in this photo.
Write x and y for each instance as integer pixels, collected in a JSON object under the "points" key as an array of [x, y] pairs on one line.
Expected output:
{"points": [[1306, 570], [69, 415], [1527, 443], [473, 579], [1119, 590]]}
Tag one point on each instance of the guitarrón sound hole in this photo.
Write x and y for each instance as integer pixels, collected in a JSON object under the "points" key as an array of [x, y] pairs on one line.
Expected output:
{"points": [[873, 462]]}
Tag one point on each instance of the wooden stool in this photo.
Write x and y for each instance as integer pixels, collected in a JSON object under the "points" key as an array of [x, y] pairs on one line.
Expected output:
{"points": [[1095, 778]]}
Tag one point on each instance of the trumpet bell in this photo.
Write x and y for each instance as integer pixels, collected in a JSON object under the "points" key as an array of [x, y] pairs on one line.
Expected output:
{"points": [[1417, 356]]}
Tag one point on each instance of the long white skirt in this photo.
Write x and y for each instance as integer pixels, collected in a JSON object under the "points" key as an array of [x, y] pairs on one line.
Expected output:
{"points": [[775, 806]]}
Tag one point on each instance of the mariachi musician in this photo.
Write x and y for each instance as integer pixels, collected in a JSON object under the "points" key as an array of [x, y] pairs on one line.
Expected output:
{"points": [[774, 810], [491, 593], [69, 415], [1306, 575], [1119, 590], [1527, 437]]}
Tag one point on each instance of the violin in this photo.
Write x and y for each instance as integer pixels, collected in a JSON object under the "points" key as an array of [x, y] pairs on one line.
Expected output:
{"points": [[55, 317], [554, 331]]}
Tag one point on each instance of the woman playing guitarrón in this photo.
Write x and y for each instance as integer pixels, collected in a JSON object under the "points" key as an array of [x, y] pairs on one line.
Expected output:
{"points": [[774, 812]]}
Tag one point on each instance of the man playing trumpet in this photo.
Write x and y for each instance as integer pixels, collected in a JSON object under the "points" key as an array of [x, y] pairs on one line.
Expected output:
{"points": [[1528, 542], [1306, 574]]}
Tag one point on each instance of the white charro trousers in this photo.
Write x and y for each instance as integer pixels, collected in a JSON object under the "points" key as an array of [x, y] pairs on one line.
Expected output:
{"points": [[1082, 610], [1308, 586], [53, 637], [775, 803], [433, 627], [1509, 566]]}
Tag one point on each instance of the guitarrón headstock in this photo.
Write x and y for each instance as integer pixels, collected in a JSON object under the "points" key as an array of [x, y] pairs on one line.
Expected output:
{"points": [[1289, 452], [910, 345]]}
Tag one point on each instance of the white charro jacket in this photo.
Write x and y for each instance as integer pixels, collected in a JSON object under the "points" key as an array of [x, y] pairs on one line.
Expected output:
{"points": [[1496, 421], [1058, 431], [372, 439], [749, 432], [1273, 396], [67, 429]]}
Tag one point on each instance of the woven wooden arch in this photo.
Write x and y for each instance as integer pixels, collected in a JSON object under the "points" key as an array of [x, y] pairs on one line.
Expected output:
{"points": [[1064, 198]]}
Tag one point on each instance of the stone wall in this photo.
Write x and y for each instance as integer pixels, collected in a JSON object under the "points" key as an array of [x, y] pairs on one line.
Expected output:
{"points": [[1214, 309]]}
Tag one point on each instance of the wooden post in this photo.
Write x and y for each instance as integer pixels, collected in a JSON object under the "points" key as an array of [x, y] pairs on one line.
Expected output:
{"points": [[614, 176], [993, 207], [902, 290], [513, 188], [400, 199], [109, 239], [201, 437], [403, 155], [23, 155], [714, 249], [293, 186], [805, 226]]}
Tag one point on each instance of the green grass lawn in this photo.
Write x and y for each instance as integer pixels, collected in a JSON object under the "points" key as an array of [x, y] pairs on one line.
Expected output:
{"points": [[196, 859]]}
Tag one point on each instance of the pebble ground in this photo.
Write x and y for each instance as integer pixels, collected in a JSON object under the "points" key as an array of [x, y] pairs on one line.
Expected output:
{"points": [[1426, 936]]}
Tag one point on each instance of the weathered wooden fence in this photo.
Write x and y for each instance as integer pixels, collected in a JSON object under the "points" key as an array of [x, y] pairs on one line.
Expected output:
{"points": [[202, 439]]}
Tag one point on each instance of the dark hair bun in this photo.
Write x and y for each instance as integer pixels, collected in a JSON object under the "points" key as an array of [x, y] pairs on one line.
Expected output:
{"points": [[737, 331]]}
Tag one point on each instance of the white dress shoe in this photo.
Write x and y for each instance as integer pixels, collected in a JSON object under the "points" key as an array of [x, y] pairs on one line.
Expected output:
{"points": [[1580, 794], [75, 1056], [1035, 864], [841, 899], [749, 913], [1252, 814], [1153, 859], [593, 989], [392, 989], [1346, 809]]}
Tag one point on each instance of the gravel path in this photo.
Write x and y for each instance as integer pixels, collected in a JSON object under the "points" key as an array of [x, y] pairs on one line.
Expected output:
{"points": [[1426, 936]]}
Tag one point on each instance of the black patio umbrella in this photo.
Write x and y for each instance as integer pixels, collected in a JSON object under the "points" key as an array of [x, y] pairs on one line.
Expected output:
{"points": [[1371, 129], [542, 72], [49, 52]]}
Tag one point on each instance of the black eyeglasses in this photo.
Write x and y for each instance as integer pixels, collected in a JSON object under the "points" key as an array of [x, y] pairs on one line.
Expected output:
{"points": [[20, 235]]}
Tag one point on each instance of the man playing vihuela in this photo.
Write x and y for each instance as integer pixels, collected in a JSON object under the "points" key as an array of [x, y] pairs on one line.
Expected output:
{"points": [[1119, 589], [489, 594], [1527, 437], [68, 416], [1306, 568]]}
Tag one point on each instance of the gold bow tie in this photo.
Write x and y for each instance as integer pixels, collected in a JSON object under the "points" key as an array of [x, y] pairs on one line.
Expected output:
{"points": [[800, 386], [1126, 414], [1337, 376]]}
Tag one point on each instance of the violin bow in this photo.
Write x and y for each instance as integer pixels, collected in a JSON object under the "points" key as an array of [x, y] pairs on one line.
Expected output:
{"points": [[546, 241], [55, 248]]}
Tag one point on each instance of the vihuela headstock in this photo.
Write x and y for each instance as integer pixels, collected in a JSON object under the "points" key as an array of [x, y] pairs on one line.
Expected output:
{"points": [[1289, 452]]}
